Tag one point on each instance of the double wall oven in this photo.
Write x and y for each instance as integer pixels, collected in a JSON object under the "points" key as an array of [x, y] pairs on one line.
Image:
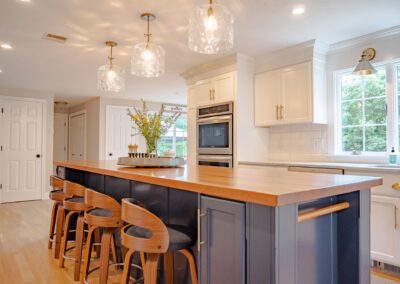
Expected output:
{"points": [[215, 135]]}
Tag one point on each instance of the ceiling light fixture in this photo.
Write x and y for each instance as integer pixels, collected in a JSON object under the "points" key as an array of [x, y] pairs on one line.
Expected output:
{"points": [[110, 77], [211, 29], [298, 11], [6, 46], [148, 58], [364, 66]]}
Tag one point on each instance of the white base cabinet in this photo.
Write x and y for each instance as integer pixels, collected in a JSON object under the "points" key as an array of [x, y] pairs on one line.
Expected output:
{"points": [[385, 229], [294, 94]]}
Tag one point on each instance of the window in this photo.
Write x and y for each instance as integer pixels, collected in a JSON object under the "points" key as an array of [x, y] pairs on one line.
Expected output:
{"points": [[175, 139], [366, 105]]}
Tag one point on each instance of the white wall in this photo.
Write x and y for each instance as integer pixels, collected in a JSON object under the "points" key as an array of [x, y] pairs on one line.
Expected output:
{"points": [[48, 99], [252, 142]]}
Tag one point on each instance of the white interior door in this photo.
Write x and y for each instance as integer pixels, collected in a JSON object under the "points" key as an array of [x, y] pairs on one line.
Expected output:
{"points": [[60, 137], [21, 149], [77, 136], [119, 130]]}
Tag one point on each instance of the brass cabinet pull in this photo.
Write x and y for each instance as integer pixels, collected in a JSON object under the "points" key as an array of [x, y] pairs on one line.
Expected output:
{"points": [[395, 218], [280, 110], [210, 95], [277, 112], [213, 94], [396, 186], [199, 242]]}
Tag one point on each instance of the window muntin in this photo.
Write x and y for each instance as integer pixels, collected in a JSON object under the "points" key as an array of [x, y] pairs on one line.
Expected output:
{"points": [[363, 120]]}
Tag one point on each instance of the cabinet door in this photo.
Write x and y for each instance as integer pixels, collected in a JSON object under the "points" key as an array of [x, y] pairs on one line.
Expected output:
{"points": [[203, 92], [385, 229], [267, 98], [223, 233], [297, 94], [224, 88]]}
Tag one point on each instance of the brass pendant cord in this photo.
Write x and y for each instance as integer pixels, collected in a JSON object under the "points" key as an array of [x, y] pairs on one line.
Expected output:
{"points": [[111, 58], [148, 34], [210, 9]]}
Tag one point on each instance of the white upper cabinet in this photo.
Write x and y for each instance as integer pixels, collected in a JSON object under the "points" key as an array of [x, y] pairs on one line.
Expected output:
{"points": [[267, 107], [290, 95], [213, 90]]}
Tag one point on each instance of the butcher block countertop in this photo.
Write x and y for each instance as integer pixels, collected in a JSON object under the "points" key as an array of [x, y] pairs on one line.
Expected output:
{"points": [[266, 186]]}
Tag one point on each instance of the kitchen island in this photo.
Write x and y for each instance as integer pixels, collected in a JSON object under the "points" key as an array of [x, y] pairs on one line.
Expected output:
{"points": [[253, 225]]}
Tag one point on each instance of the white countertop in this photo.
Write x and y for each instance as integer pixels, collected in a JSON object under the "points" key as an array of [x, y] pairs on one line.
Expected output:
{"points": [[360, 167]]}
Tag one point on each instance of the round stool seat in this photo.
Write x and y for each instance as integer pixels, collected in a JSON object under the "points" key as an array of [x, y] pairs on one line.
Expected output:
{"points": [[56, 195], [99, 212], [75, 204], [180, 237]]}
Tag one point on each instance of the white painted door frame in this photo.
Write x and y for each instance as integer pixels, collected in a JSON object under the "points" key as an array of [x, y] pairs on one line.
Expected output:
{"points": [[66, 130], [44, 177], [81, 112]]}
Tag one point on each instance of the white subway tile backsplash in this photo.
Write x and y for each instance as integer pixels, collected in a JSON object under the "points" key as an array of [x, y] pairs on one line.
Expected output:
{"points": [[290, 142]]}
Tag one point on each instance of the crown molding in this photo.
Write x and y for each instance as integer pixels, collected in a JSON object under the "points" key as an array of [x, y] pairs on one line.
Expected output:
{"points": [[211, 66], [365, 39]]}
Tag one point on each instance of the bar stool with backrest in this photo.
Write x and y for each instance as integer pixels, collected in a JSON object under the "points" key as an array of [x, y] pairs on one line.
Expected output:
{"points": [[74, 205], [57, 195], [105, 214], [147, 233]]}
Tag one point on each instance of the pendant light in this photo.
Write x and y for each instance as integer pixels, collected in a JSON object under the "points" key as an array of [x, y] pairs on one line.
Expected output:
{"points": [[211, 29], [364, 66], [148, 59], [110, 77]]}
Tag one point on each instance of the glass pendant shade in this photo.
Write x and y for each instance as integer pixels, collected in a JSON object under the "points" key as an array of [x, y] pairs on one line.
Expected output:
{"points": [[110, 78], [211, 29], [148, 60], [364, 67]]}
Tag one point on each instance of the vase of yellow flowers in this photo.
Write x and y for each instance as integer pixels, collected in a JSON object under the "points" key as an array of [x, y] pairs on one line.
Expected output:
{"points": [[152, 125]]}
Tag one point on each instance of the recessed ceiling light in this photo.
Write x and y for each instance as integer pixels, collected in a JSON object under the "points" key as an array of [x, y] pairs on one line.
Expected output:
{"points": [[1, 71], [25, 0], [298, 11], [6, 46]]}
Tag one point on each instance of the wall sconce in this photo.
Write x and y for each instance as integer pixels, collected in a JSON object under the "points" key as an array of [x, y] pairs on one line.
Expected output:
{"points": [[364, 66]]}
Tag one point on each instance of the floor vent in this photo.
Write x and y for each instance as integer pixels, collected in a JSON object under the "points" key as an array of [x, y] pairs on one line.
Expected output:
{"points": [[53, 37], [385, 270]]}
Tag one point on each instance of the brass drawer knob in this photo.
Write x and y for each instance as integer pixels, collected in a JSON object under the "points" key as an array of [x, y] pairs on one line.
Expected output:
{"points": [[396, 186]]}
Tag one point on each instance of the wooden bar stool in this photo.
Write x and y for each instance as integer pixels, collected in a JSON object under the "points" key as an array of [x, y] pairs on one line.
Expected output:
{"points": [[74, 205], [105, 214], [57, 195], [146, 233]]}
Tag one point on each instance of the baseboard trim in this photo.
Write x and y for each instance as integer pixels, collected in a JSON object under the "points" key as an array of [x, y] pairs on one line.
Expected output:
{"points": [[386, 275]]}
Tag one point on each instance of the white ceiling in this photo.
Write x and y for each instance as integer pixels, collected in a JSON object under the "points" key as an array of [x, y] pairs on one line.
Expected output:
{"points": [[70, 70]]}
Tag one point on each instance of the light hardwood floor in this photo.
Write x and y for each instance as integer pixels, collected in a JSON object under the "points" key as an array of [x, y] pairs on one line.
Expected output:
{"points": [[24, 257]]}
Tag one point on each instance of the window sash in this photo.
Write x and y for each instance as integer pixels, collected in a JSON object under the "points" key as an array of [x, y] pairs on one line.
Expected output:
{"points": [[391, 128]]}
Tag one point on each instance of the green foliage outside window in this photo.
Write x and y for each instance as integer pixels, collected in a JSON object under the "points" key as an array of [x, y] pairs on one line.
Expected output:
{"points": [[363, 112], [178, 134]]}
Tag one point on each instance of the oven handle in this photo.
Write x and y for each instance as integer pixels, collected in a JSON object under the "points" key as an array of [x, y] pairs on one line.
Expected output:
{"points": [[213, 158], [215, 119]]}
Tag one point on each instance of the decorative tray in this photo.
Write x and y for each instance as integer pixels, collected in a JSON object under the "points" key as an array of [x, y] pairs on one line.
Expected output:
{"points": [[145, 161]]}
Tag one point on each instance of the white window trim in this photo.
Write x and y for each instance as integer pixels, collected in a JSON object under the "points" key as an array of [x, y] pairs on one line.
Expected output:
{"points": [[392, 139]]}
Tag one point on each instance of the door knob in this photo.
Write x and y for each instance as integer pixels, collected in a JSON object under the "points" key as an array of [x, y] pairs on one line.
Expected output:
{"points": [[38, 156], [396, 186], [110, 154]]}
